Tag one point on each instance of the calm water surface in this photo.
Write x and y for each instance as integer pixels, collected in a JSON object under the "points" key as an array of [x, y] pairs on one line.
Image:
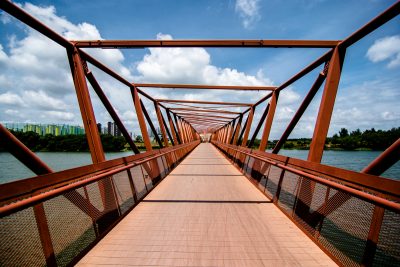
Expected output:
{"points": [[11, 169]]}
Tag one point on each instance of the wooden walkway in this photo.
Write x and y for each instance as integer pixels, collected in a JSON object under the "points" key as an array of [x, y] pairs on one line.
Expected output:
{"points": [[206, 213]]}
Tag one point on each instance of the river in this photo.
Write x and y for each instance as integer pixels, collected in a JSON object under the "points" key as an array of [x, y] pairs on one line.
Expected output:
{"points": [[12, 170]]}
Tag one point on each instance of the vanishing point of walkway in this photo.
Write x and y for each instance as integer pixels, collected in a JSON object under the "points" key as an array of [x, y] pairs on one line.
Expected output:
{"points": [[206, 213]]}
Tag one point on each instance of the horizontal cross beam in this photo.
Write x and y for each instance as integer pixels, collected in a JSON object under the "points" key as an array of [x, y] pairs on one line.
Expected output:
{"points": [[203, 102], [208, 87], [206, 110], [206, 43]]}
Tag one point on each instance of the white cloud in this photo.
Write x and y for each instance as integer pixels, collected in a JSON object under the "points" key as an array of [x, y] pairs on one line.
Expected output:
{"points": [[58, 116], [40, 99], [190, 65], [248, 10], [11, 99], [387, 48], [36, 70]]}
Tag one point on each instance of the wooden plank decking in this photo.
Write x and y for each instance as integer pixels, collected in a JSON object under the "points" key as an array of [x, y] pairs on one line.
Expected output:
{"points": [[206, 213]]}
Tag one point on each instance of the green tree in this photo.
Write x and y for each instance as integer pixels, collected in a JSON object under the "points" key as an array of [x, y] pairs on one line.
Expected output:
{"points": [[343, 132]]}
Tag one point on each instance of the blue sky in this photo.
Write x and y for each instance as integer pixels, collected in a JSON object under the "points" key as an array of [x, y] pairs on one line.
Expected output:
{"points": [[368, 95]]}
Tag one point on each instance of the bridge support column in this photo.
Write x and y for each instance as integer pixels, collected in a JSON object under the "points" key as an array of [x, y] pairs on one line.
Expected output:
{"points": [[321, 129], [92, 133], [172, 126], [235, 136], [161, 123], [268, 122], [248, 126]]}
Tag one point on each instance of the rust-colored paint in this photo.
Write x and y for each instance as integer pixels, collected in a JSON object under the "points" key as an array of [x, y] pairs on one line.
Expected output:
{"points": [[268, 122]]}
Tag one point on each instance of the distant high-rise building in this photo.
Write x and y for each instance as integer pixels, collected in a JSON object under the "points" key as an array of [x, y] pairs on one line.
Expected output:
{"points": [[43, 129], [117, 132], [99, 128], [110, 128]]}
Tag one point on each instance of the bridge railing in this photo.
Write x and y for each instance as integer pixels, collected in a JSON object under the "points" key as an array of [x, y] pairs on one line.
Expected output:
{"points": [[54, 219], [353, 217]]}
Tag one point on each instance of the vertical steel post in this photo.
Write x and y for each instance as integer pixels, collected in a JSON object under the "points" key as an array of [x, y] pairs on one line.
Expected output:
{"points": [[161, 123], [307, 100], [90, 125], [179, 130], [248, 126], [140, 117], [96, 87], [268, 122], [306, 189], [166, 128], [326, 107], [85, 105], [172, 127], [237, 130]]}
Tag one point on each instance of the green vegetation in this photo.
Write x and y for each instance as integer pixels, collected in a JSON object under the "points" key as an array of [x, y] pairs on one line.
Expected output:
{"points": [[344, 140], [71, 143]]}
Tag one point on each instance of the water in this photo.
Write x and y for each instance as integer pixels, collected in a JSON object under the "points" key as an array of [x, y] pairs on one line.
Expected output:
{"points": [[12, 170]]}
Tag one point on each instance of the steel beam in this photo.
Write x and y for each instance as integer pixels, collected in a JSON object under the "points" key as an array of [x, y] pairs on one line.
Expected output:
{"points": [[86, 108], [326, 107], [203, 102], [208, 87], [248, 127], [260, 123], [206, 43], [149, 121], [374, 24], [199, 115], [268, 122], [172, 127], [205, 118], [140, 117], [161, 123], [242, 131], [166, 128], [306, 102], [103, 98], [207, 110], [29, 20], [235, 135]]}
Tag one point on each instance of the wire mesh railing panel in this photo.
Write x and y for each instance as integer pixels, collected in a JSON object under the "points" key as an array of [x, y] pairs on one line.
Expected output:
{"points": [[124, 191], [20, 241], [288, 191], [345, 229], [341, 219], [273, 180], [147, 177], [388, 247], [249, 166], [93, 193], [71, 229], [138, 181], [161, 168]]}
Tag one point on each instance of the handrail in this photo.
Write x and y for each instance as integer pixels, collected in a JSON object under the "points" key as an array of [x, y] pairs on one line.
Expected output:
{"points": [[363, 195], [42, 182], [24, 203], [364, 181]]}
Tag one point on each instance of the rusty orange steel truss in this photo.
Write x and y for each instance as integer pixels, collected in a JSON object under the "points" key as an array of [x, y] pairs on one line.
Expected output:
{"points": [[182, 124]]}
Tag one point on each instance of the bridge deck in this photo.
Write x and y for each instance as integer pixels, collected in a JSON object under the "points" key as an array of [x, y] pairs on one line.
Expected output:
{"points": [[206, 213]]}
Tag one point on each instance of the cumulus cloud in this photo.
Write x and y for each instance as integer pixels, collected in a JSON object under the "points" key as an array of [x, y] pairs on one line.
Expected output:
{"points": [[387, 48], [41, 100], [36, 69], [193, 66], [11, 99], [248, 10], [41, 79], [58, 115]]}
